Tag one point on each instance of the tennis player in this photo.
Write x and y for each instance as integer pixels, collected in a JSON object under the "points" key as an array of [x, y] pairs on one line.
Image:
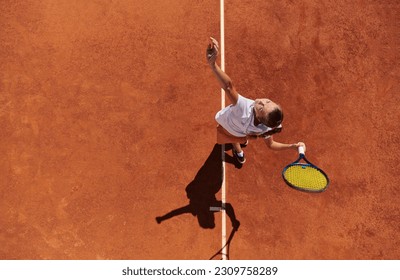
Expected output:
{"points": [[245, 119]]}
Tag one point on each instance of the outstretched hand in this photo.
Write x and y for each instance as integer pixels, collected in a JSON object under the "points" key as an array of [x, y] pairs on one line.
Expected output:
{"points": [[212, 51]]}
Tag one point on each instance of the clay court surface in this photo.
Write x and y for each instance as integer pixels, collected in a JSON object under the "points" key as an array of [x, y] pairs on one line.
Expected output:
{"points": [[107, 121]]}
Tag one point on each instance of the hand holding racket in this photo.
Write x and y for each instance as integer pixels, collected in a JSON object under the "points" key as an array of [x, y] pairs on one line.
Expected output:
{"points": [[305, 176]]}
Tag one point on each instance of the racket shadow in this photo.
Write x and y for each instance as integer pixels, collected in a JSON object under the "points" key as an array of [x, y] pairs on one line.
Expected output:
{"points": [[227, 245], [201, 193]]}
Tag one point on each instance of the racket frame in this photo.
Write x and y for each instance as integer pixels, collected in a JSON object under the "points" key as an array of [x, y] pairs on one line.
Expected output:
{"points": [[302, 156]]}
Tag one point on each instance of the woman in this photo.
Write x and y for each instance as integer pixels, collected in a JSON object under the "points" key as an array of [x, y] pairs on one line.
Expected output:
{"points": [[245, 118]]}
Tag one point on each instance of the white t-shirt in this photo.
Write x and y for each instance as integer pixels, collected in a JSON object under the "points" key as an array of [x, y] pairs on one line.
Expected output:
{"points": [[238, 119]]}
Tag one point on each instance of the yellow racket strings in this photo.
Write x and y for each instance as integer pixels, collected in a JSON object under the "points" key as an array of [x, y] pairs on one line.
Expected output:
{"points": [[306, 177]]}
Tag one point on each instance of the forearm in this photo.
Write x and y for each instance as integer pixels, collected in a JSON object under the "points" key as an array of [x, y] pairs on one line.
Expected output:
{"points": [[276, 146], [223, 79]]}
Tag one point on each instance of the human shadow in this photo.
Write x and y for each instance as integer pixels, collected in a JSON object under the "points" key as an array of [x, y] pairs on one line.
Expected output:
{"points": [[202, 190]]}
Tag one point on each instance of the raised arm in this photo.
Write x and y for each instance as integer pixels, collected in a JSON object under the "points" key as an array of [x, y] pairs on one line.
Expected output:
{"points": [[223, 79]]}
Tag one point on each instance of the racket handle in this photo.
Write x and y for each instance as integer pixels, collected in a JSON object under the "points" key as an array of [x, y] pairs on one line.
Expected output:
{"points": [[301, 150]]}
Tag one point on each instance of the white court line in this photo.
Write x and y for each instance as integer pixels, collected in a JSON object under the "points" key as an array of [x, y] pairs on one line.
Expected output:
{"points": [[223, 187]]}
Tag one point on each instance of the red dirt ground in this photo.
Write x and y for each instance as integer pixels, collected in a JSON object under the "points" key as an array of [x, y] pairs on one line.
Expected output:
{"points": [[107, 116]]}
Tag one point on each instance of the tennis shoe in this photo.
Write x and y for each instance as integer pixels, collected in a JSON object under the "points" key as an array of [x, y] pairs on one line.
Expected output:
{"points": [[240, 159], [244, 145]]}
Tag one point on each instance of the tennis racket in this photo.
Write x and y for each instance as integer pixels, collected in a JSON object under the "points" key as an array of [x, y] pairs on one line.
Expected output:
{"points": [[305, 176], [227, 245]]}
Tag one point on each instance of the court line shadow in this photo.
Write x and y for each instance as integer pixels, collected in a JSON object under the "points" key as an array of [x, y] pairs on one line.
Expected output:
{"points": [[202, 190]]}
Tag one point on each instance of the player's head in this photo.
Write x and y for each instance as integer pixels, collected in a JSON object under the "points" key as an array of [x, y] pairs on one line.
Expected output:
{"points": [[268, 113]]}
